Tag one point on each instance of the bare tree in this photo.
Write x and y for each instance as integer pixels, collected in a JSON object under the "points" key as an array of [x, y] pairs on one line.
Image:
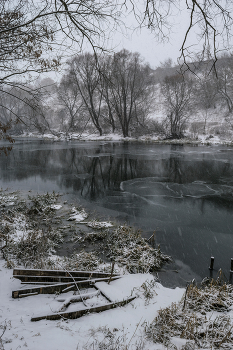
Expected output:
{"points": [[210, 21], [84, 74], [130, 90], [177, 91], [225, 82], [71, 105], [206, 93], [30, 30]]}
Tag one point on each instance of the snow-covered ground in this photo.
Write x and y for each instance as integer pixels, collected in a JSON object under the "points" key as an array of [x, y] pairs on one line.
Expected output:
{"points": [[122, 326], [203, 139], [202, 128]]}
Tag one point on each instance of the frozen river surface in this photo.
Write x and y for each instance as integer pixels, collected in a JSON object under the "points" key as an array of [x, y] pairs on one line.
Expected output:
{"points": [[184, 193]]}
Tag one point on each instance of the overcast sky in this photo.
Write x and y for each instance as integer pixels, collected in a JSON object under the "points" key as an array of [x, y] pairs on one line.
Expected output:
{"points": [[144, 42]]}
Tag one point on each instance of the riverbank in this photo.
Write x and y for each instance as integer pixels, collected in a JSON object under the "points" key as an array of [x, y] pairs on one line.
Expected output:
{"points": [[159, 318], [202, 139], [36, 227]]}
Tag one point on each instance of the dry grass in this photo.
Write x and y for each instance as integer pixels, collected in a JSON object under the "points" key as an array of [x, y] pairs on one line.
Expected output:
{"points": [[27, 237], [103, 338], [30, 233], [81, 261], [200, 318], [126, 246]]}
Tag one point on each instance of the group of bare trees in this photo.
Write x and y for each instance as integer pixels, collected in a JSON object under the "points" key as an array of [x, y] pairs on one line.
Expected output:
{"points": [[119, 93], [35, 37], [109, 92], [199, 92]]}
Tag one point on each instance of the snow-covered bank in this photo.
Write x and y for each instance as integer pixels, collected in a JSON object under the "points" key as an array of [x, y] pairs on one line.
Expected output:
{"points": [[201, 139], [158, 318], [123, 326]]}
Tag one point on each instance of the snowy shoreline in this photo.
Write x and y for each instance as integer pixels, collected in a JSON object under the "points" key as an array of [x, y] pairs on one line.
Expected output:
{"points": [[132, 327], [158, 318], [203, 140]]}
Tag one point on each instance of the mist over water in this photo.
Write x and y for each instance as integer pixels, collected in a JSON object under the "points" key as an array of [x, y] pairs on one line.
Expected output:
{"points": [[184, 193]]}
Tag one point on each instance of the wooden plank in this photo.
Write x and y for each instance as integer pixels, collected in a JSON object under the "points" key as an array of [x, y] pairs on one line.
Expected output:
{"points": [[50, 289], [41, 279], [38, 272], [82, 312], [27, 295], [102, 293], [59, 287], [41, 283]]}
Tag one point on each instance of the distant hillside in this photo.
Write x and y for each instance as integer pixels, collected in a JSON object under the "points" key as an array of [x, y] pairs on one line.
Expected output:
{"points": [[196, 67]]}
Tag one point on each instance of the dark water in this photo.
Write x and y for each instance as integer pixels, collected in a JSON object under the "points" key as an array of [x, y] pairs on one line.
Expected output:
{"points": [[184, 193]]}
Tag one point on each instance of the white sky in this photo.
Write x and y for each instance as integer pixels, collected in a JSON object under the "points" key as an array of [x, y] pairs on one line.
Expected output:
{"points": [[155, 52], [145, 42], [151, 50]]}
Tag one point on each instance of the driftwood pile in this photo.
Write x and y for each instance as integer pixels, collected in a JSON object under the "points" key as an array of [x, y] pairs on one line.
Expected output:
{"points": [[60, 281]]}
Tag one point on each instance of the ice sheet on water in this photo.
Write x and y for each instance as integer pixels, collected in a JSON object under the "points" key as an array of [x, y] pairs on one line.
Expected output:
{"points": [[151, 189]]}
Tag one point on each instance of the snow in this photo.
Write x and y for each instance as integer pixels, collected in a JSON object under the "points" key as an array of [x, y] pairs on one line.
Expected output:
{"points": [[75, 334], [19, 226], [78, 215], [56, 206], [207, 127], [99, 224]]}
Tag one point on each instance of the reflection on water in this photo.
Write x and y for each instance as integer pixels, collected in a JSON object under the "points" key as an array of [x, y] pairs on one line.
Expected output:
{"points": [[184, 193]]}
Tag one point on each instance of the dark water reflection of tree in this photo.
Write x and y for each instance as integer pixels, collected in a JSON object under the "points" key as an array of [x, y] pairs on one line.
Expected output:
{"points": [[96, 171]]}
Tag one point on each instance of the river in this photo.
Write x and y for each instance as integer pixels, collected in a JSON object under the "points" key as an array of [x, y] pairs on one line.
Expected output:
{"points": [[184, 193]]}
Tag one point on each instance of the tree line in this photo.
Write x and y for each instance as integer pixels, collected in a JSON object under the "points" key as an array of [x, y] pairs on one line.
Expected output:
{"points": [[120, 93], [37, 37]]}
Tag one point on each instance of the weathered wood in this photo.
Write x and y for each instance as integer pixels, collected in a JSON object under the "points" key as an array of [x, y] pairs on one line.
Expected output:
{"points": [[59, 287], [42, 279], [27, 295], [41, 283], [67, 289], [76, 298], [82, 312], [102, 293], [61, 273]]}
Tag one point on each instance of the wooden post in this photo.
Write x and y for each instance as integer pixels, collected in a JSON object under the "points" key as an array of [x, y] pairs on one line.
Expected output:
{"points": [[231, 270], [110, 278], [211, 263]]}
